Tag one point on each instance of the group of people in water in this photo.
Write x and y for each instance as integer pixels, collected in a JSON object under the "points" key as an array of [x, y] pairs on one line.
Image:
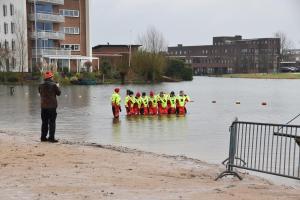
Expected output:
{"points": [[154, 104]]}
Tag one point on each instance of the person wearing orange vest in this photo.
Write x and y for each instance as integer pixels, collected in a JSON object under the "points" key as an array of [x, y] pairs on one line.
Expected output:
{"points": [[152, 104], [116, 102]]}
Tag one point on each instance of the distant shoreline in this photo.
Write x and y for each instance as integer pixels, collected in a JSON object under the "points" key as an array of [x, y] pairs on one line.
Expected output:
{"points": [[263, 76]]}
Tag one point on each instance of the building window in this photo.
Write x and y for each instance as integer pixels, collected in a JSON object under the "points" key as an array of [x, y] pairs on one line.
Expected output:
{"points": [[72, 47], [12, 27], [5, 28], [6, 45], [45, 26], [44, 8], [13, 45], [12, 10], [72, 30], [13, 62], [4, 10], [69, 13]]}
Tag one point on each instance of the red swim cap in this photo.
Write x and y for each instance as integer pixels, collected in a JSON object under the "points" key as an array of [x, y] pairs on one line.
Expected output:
{"points": [[117, 90]]}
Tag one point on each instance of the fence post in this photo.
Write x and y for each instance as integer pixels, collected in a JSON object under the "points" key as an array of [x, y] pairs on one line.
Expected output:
{"points": [[232, 151]]}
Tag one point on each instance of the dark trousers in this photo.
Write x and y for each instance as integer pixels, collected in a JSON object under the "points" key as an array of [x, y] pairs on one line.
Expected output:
{"points": [[48, 122]]}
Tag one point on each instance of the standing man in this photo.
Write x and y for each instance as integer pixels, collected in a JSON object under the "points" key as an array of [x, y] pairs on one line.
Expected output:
{"points": [[116, 103], [48, 91]]}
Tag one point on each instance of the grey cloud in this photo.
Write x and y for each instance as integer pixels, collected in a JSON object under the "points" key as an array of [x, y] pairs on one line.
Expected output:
{"points": [[193, 21]]}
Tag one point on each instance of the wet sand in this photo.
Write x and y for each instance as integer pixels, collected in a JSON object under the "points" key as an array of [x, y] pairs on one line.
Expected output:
{"points": [[33, 170]]}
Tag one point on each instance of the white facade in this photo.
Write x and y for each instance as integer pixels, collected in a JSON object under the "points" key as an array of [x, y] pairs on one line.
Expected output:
{"points": [[13, 35]]}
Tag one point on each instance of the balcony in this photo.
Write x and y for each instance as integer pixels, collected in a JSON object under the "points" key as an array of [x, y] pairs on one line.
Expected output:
{"points": [[50, 17], [56, 2], [48, 35], [50, 52]]}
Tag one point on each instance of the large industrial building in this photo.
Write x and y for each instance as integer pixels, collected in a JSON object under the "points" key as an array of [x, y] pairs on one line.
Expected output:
{"points": [[231, 55]]}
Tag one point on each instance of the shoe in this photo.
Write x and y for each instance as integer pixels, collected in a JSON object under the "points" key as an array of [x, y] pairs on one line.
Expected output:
{"points": [[52, 140], [44, 140]]}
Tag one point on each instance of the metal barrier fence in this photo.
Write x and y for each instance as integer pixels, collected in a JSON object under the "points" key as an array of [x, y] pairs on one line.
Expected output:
{"points": [[267, 148]]}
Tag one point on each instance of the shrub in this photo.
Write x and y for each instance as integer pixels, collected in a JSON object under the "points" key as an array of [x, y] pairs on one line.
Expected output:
{"points": [[178, 69]]}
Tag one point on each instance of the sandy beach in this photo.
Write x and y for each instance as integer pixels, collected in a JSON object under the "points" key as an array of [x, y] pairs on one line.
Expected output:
{"points": [[33, 170]]}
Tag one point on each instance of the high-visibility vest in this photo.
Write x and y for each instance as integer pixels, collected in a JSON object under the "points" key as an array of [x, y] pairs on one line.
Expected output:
{"points": [[145, 101], [172, 101], [181, 100], [153, 101], [163, 101], [127, 99], [115, 99], [132, 99], [138, 101], [188, 98]]}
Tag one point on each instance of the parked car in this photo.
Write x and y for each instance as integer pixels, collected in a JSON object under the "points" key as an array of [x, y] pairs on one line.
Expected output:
{"points": [[288, 69]]}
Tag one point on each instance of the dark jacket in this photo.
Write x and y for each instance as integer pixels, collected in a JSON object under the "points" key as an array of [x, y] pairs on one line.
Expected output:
{"points": [[48, 92]]}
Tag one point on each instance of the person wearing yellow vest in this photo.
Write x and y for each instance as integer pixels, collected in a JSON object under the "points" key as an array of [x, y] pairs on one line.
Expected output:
{"points": [[116, 102], [137, 103], [162, 103], [172, 103], [131, 102], [127, 102], [144, 110], [180, 103], [152, 103]]}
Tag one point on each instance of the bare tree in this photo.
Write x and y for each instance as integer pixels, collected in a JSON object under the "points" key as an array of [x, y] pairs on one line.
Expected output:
{"points": [[5, 55], [152, 41], [21, 41], [285, 44]]}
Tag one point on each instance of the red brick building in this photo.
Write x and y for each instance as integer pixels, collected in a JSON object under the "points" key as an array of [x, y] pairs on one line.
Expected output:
{"points": [[113, 54], [231, 55]]}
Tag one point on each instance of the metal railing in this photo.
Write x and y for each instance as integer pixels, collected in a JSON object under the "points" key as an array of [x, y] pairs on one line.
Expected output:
{"points": [[48, 35], [261, 147], [50, 52], [53, 17], [57, 2]]}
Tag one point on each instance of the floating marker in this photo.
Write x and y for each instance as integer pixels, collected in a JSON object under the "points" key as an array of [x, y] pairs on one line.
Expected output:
{"points": [[264, 103], [79, 96]]}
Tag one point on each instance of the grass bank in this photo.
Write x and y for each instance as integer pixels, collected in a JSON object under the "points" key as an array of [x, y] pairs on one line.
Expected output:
{"points": [[264, 76]]}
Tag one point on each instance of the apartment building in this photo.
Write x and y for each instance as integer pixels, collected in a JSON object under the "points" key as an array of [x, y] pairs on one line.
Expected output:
{"points": [[57, 34], [231, 54], [13, 34]]}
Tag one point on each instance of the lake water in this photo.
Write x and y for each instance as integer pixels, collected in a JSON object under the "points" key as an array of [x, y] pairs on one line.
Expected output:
{"points": [[84, 114]]}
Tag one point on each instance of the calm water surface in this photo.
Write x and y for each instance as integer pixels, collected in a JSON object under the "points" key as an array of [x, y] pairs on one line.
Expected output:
{"points": [[84, 114]]}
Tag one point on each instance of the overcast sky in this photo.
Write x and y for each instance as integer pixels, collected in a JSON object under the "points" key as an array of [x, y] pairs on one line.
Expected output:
{"points": [[193, 22]]}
